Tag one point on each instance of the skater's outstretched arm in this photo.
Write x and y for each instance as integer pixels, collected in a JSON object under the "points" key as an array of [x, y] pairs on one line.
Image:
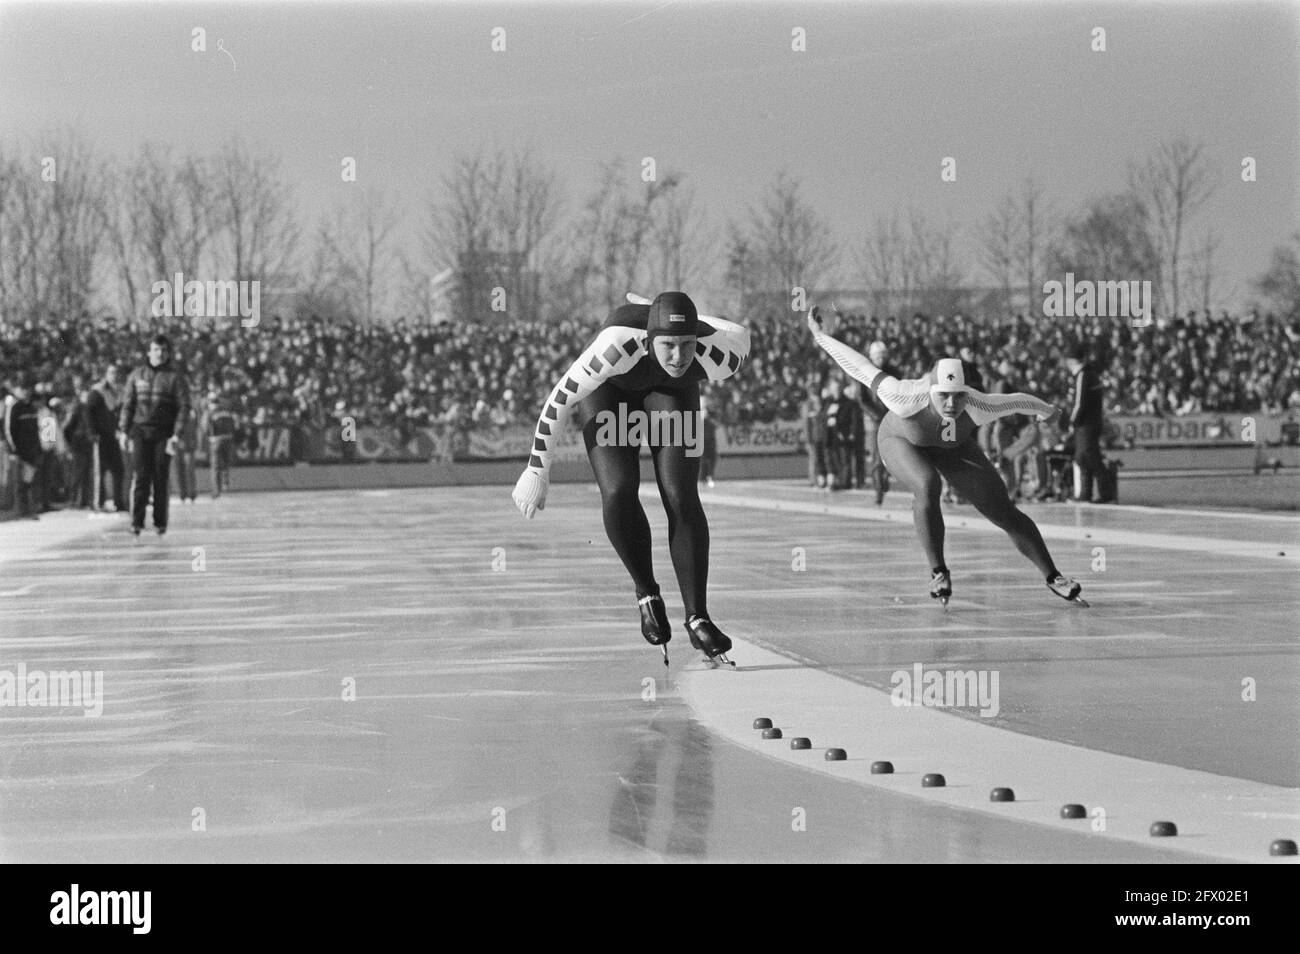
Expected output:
{"points": [[988, 407], [615, 351], [908, 397], [721, 353], [860, 368]]}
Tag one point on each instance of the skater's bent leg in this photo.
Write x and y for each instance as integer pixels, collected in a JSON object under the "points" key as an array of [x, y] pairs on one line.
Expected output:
{"points": [[677, 471], [974, 477], [916, 473], [618, 475]]}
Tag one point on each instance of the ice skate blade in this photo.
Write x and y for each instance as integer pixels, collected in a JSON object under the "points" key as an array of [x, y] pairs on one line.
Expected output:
{"points": [[718, 661], [1080, 601], [664, 647]]}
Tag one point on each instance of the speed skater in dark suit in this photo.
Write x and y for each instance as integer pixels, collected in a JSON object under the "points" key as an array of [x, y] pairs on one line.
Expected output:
{"points": [[649, 357], [928, 434]]}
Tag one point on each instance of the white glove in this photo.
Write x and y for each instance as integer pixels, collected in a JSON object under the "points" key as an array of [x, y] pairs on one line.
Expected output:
{"points": [[530, 492]]}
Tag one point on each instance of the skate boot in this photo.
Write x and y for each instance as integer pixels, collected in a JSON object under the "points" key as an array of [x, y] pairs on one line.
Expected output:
{"points": [[1066, 588], [654, 622], [710, 640], [941, 586]]}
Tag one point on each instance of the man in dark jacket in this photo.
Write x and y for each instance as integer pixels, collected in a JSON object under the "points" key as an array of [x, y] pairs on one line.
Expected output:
{"points": [[104, 401], [836, 435], [22, 435], [847, 437], [1086, 420], [156, 400]]}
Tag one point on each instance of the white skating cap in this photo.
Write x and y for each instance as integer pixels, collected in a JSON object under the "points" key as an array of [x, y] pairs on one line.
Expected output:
{"points": [[949, 376]]}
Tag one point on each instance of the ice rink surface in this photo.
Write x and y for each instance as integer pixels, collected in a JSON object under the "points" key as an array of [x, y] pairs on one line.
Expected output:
{"points": [[421, 675]]}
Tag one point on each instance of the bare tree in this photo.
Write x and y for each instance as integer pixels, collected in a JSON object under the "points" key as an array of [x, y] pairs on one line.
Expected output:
{"points": [[328, 285], [353, 253], [791, 241], [51, 227], [1110, 237], [1203, 269], [884, 264], [1174, 182], [1279, 286], [1038, 230], [629, 234], [1000, 245], [913, 264], [741, 275], [681, 240], [528, 211], [414, 286], [10, 238], [255, 206], [159, 216], [123, 240], [938, 274], [493, 222]]}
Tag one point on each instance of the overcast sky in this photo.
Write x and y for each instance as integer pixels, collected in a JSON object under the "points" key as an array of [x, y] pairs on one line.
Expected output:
{"points": [[863, 117]]}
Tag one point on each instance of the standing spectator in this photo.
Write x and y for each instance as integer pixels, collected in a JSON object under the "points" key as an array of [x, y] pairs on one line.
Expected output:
{"points": [[857, 435], [79, 433], [873, 411], [187, 446], [51, 482], [104, 401], [848, 435], [157, 397], [815, 436], [23, 438], [709, 439], [836, 445], [220, 429], [1086, 421]]}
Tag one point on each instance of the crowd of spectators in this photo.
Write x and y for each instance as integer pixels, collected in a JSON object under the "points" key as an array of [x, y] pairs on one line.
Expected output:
{"points": [[1167, 369], [405, 376]]}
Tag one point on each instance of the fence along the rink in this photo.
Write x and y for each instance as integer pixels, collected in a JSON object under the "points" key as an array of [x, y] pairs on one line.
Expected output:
{"points": [[1146, 443]]}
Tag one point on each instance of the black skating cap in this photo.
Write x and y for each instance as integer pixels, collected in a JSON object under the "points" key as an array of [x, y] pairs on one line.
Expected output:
{"points": [[672, 313]]}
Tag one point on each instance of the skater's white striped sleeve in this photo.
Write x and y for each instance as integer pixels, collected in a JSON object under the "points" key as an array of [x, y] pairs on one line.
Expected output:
{"points": [[615, 351], [983, 408], [907, 397], [902, 397], [721, 353]]}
